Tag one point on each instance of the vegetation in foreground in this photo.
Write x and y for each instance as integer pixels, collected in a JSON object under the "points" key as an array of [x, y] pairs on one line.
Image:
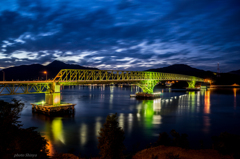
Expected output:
{"points": [[110, 141], [16, 141]]}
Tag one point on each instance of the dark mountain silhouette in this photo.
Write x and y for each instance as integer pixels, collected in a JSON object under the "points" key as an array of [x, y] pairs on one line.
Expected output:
{"points": [[223, 79], [186, 70], [237, 72], [35, 71], [62, 65]]}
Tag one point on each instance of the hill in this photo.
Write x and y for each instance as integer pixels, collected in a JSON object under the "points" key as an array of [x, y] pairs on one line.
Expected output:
{"points": [[223, 79], [35, 71], [185, 70], [237, 72]]}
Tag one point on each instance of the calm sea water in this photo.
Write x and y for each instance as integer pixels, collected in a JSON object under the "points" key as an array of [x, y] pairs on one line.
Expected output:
{"points": [[199, 114]]}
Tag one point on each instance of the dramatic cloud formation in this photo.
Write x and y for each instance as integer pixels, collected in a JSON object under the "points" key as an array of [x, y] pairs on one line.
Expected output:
{"points": [[121, 34]]}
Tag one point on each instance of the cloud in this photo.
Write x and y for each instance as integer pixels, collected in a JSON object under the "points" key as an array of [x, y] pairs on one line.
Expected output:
{"points": [[121, 34]]}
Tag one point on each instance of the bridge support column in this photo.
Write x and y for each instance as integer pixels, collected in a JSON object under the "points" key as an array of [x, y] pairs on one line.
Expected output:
{"points": [[191, 84], [147, 85], [53, 97]]}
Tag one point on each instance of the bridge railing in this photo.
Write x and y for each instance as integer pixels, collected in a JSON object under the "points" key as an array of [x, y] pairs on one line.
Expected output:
{"points": [[66, 75]]}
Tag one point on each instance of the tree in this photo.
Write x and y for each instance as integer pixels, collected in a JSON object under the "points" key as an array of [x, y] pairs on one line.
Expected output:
{"points": [[164, 139], [16, 140], [110, 141], [179, 140], [227, 144]]}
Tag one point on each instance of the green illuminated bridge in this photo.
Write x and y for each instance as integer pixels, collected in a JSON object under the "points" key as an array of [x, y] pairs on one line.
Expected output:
{"points": [[145, 80]]}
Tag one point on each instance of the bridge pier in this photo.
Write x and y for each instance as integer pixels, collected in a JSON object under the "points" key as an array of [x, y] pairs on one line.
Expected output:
{"points": [[191, 84], [53, 103], [53, 96], [147, 87]]}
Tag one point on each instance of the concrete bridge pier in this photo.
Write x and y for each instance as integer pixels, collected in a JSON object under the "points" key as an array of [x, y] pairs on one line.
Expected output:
{"points": [[53, 96], [53, 103]]}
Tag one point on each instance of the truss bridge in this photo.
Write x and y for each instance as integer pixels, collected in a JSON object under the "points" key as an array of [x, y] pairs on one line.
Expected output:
{"points": [[145, 80]]}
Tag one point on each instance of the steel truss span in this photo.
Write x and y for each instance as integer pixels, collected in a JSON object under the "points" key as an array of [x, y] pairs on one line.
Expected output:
{"points": [[22, 88], [74, 75], [145, 80]]}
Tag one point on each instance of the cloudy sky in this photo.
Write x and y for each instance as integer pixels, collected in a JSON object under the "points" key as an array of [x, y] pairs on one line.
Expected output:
{"points": [[121, 34]]}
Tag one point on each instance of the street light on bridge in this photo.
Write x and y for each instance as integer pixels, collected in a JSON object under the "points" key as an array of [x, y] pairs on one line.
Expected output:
{"points": [[45, 72]]}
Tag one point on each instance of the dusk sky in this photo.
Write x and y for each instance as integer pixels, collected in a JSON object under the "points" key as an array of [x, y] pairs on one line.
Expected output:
{"points": [[121, 34]]}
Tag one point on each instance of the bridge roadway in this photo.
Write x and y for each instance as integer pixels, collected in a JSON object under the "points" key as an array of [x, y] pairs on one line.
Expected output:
{"points": [[145, 80]]}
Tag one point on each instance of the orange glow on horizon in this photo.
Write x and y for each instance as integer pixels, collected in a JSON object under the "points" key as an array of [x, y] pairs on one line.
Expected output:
{"points": [[235, 84]]}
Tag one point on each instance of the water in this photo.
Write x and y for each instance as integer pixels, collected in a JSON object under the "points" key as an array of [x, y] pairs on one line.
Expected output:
{"points": [[199, 114]]}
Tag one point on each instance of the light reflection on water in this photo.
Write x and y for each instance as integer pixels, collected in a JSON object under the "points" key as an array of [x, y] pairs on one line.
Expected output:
{"points": [[207, 102], [235, 97], [202, 114], [57, 130]]}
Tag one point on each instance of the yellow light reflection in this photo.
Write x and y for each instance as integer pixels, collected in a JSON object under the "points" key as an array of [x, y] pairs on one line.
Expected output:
{"points": [[111, 89], [191, 99], [202, 92], [157, 105], [130, 122], [207, 102], [121, 120], [138, 116], [57, 129], [157, 119], [97, 126], [83, 134]]}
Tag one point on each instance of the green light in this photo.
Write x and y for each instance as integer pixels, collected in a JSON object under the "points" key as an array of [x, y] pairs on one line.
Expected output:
{"points": [[147, 86], [191, 84], [191, 96], [148, 112]]}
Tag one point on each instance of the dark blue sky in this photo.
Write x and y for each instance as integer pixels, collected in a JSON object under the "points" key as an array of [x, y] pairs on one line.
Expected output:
{"points": [[121, 34]]}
